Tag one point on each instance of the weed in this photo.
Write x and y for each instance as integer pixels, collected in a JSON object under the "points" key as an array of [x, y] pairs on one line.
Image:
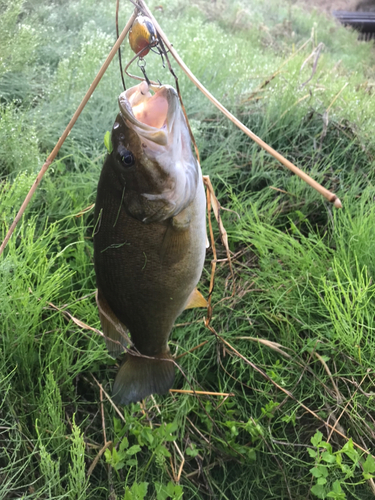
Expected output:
{"points": [[345, 462]]}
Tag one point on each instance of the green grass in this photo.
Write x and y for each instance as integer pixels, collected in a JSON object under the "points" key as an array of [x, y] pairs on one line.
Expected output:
{"points": [[294, 343]]}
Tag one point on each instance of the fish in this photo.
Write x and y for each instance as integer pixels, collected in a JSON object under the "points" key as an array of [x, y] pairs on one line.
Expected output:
{"points": [[149, 237]]}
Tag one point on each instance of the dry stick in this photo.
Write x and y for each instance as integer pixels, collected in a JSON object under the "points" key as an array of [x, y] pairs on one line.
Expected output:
{"points": [[192, 349], [268, 343], [60, 142], [213, 202], [103, 418], [213, 261], [177, 477], [110, 400], [323, 191], [282, 191], [78, 322], [186, 391], [96, 459], [338, 395], [315, 53]]}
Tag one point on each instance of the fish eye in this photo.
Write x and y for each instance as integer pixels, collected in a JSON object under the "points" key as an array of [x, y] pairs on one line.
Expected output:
{"points": [[126, 157]]}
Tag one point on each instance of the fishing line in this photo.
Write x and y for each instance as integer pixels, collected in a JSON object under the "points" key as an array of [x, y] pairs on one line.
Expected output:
{"points": [[139, 55], [119, 49]]}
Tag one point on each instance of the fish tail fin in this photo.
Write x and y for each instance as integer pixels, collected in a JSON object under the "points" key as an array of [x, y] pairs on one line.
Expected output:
{"points": [[139, 377]]}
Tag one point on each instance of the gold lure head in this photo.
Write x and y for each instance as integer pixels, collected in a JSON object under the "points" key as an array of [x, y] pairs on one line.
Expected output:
{"points": [[142, 35]]}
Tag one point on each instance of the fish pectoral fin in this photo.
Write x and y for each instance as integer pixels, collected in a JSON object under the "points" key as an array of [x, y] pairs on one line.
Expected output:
{"points": [[140, 376], [174, 244], [196, 299], [116, 333]]}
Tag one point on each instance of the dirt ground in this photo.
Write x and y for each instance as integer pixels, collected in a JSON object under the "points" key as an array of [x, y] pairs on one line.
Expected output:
{"points": [[330, 5]]}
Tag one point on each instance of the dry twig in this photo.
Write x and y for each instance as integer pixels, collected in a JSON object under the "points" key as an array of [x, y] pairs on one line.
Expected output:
{"points": [[110, 400], [207, 393], [97, 458]]}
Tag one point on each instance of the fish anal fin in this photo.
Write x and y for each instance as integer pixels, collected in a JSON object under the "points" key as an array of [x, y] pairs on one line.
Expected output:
{"points": [[196, 299], [116, 333], [140, 377]]}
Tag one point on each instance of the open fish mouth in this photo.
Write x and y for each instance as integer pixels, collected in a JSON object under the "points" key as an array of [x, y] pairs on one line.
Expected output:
{"points": [[155, 117], [164, 147]]}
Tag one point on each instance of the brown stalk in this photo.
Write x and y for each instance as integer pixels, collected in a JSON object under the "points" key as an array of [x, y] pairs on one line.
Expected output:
{"points": [[268, 343], [110, 400], [75, 320], [213, 202], [96, 459], [66, 132], [338, 395], [323, 191], [282, 191], [206, 393], [103, 417], [177, 477], [213, 261], [192, 349]]}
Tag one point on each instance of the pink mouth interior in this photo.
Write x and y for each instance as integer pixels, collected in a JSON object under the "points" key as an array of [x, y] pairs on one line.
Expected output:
{"points": [[152, 112]]}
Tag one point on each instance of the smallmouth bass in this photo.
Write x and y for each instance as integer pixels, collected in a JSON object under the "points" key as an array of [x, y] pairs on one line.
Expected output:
{"points": [[149, 237]]}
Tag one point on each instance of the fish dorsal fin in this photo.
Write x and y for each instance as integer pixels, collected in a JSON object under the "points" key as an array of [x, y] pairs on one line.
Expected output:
{"points": [[196, 299], [116, 333]]}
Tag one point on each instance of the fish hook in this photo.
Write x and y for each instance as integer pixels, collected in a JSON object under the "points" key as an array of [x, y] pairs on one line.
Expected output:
{"points": [[157, 50]]}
